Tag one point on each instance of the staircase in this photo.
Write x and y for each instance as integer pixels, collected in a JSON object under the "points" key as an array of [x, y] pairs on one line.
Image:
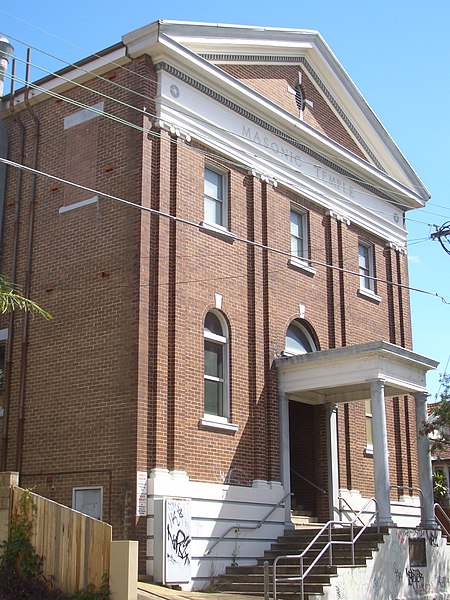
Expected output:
{"points": [[250, 579]]}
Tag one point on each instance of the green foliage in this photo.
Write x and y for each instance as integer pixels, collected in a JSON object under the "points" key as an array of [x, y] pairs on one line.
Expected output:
{"points": [[437, 426], [18, 553], [90, 593], [11, 299], [440, 487]]}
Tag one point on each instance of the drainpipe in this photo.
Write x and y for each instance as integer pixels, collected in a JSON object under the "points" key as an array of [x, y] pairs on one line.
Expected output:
{"points": [[27, 285], [6, 51], [13, 275]]}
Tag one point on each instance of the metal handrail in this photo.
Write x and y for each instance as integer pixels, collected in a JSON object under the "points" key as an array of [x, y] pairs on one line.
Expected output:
{"points": [[328, 547], [257, 526], [445, 523], [411, 489], [341, 498], [314, 485]]}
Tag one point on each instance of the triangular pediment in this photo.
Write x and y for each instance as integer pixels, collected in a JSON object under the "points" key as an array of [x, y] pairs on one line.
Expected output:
{"points": [[257, 69]]}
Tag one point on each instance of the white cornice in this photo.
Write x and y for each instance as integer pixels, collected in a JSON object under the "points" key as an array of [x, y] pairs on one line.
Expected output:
{"points": [[174, 39], [208, 38]]}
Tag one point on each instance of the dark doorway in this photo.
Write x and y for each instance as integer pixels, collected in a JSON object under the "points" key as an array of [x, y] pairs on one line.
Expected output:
{"points": [[308, 456]]}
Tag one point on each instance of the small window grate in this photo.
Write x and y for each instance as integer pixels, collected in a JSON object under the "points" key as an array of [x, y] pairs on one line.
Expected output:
{"points": [[299, 99]]}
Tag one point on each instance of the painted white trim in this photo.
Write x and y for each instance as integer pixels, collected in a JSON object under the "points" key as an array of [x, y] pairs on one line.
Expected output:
{"points": [[63, 209], [235, 136], [218, 424], [84, 115], [217, 231], [89, 488], [370, 295], [301, 265], [216, 507]]}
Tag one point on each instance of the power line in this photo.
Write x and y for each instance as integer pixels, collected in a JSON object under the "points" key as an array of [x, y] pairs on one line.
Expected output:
{"points": [[205, 140], [150, 131], [125, 122], [68, 42], [324, 154], [83, 70], [199, 226], [84, 87]]}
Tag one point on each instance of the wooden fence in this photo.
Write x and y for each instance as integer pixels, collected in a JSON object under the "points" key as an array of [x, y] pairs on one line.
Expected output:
{"points": [[76, 548]]}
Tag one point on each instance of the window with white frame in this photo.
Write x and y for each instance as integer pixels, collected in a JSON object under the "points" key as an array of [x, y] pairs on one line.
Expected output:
{"points": [[216, 378], [299, 235], [215, 197], [368, 418], [298, 339], [88, 500], [366, 266]]}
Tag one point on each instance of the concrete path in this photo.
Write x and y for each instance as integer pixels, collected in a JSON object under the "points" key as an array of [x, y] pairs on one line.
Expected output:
{"points": [[151, 591]]}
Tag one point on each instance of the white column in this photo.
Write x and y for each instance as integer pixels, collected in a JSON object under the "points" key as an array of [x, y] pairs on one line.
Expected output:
{"points": [[380, 453], [333, 462], [285, 459], [424, 463]]}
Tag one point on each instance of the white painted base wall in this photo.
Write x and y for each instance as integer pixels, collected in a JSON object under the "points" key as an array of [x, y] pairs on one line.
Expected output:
{"points": [[405, 512], [389, 576], [214, 509]]}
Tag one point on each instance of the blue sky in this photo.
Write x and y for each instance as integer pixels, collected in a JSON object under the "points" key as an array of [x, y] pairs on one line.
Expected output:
{"points": [[396, 52]]}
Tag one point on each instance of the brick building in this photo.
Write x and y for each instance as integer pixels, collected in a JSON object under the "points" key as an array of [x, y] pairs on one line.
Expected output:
{"points": [[230, 336]]}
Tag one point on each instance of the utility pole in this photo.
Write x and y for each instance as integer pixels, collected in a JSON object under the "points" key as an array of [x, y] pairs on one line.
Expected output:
{"points": [[442, 234]]}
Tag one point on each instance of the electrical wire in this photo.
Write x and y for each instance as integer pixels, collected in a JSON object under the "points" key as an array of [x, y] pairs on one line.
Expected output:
{"points": [[85, 87], [207, 154], [199, 226], [68, 42], [148, 131], [151, 132], [442, 377], [355, 180], [76, 67], [125, 122]]}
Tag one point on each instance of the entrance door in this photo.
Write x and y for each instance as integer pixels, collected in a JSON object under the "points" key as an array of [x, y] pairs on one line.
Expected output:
{"points": [[308, 458]]}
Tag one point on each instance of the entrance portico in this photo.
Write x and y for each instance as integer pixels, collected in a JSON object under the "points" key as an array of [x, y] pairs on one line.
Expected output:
{"points": [[374, 371]]}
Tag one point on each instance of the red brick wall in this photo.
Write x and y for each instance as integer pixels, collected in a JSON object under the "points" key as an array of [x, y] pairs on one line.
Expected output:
{"points": [[273, 81], [114, 382]]}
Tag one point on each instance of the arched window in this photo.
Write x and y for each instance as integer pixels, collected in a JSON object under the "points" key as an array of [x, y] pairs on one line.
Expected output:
{"points": [[298, 339], [216, 396]]}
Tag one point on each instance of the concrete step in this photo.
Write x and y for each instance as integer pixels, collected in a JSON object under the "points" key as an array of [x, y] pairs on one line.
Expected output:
{"points": [[285, 569], [303, 520], [244, 578], [250, 579], [283, 588]]}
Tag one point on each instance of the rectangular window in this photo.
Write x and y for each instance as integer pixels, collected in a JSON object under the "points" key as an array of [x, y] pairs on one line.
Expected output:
{"points": [[215, 197], [299, 237], [214, 378], [369, 438], [88, 500], [366, 269]]}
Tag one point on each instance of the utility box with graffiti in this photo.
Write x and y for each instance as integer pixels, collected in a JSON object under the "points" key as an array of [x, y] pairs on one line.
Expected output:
{"points": [[176, 540]]}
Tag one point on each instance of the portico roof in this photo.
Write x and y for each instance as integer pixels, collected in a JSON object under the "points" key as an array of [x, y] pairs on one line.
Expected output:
{"points": [[345, 374]]}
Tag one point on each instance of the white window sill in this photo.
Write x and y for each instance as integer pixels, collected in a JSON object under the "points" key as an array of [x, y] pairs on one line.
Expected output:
{"points": [[301, 265], [218, 424], [365, 293], [369, 450], [217, 231]]}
